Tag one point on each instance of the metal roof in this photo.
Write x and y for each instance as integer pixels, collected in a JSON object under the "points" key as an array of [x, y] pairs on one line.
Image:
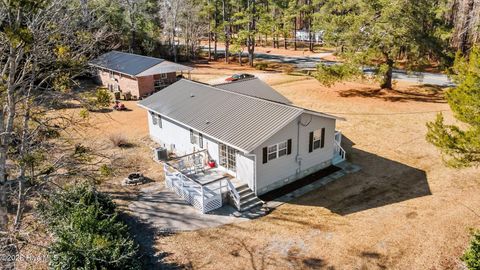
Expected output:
{"points": [[164, 67], [136, 65], [254, 87], [238, 120], [126, 63]]}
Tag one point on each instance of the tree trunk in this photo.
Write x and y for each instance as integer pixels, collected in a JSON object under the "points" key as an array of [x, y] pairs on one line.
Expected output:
{"points": [[251, 36], [215, 57], [209, 34], [387, 77], [295, 34], [227, 33]]}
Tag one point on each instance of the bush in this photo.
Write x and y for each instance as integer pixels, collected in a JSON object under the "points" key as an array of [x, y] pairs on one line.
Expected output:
{"points": [[471, 257], [103, 98], [261, 65], [119, 140], [330, 74], [88, 232]]}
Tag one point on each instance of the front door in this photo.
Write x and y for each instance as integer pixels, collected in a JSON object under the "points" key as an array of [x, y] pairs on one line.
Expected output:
{"points": [[228, 158]]}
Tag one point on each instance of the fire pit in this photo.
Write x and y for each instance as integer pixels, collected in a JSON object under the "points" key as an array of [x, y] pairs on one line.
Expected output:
{"points": [[134, 179]]}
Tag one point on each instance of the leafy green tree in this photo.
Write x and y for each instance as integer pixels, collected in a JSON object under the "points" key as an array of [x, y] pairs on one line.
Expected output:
{"points": [[471, 257], [88, 232], [379, 32], [461, 145]]}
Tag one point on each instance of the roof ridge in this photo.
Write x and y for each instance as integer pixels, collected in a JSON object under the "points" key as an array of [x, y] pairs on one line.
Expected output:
{"points": [[266, 100], [237, 81], [245, 95], [146, 56]]}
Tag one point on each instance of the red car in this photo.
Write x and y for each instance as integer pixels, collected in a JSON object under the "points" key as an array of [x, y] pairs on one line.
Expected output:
{"points": [[236, 77]]}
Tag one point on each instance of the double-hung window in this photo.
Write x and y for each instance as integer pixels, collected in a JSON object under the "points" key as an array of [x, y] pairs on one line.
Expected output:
{"points": [[156, 119], [196, 138], [277, 150], [317, 139]]}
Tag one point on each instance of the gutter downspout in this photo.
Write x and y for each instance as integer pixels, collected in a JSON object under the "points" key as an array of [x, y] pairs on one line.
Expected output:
{"points": [[254, 171], [297, 157]]}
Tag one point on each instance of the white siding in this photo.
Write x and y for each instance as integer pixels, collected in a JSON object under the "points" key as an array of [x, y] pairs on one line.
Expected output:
{"points": [[245, 169], [280, 171], [172, 133]]}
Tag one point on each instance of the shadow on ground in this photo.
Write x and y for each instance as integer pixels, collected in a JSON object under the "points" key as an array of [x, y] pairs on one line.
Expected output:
{"points": [[421, 93], [145, 235], [380, 182]]}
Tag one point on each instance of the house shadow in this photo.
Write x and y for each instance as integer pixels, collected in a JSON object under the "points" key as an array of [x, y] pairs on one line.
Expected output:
{"points": [[380, 182]]}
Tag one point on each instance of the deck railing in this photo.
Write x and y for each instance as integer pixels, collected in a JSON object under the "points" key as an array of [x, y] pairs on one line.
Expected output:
{"points": [[339, 153], [234, 193], [203, 196]]}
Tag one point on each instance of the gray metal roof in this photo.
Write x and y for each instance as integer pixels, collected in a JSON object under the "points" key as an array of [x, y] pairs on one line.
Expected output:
{"points": [[164, 67], [126, 63], [254, 87], [237, 120]]}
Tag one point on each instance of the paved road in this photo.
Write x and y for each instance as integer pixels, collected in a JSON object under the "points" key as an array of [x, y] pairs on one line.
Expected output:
{"points": [[310, 63]]}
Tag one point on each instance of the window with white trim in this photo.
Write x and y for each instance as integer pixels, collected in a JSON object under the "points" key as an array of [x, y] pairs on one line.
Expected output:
{"points": [[196, 138], [317, 138], [277, 150], [156, 119]]}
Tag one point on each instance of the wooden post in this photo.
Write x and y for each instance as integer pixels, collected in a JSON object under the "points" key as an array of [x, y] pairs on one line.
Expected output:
{"points": [[203, 201]]}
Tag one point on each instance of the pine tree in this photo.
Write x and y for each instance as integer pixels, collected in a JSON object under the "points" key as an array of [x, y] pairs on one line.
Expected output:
{"points": [[461, 146]]}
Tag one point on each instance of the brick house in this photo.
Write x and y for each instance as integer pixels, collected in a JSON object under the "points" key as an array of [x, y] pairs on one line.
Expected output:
{"points": [[136, 74]]}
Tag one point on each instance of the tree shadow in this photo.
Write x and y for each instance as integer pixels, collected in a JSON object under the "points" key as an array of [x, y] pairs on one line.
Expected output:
{"points": [[422, 93], [380, 182], [145, 236]]}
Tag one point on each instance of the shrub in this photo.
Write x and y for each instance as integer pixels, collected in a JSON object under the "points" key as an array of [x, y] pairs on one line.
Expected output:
{"points": [[105, 170], [261, 65], [103, 98], [471, 257], [119, 140], [88, 233]]}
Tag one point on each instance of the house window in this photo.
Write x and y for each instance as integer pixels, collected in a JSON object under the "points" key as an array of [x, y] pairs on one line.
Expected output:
{"points": [[282, 149], [111, 74], [317, 139], [156, 119], [196, 138], [227, 157], [277, 150], [163, 75]]}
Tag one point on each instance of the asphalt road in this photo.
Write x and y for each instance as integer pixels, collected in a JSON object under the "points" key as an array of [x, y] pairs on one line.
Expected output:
{"points": [[310, 63]]}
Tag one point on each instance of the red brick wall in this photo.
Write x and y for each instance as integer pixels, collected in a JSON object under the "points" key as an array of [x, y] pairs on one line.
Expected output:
{"points": [[138, 87], [145, 85], [125, 83]]}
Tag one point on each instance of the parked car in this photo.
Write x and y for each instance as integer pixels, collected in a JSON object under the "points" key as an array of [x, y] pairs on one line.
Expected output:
{"points": [[241, 76]]}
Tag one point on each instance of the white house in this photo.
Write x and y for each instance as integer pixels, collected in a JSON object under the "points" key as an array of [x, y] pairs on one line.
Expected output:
{"points": [[256, 137]]}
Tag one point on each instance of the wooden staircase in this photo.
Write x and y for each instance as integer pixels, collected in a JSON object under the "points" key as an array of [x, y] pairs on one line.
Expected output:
{"points": [[243, 197]]}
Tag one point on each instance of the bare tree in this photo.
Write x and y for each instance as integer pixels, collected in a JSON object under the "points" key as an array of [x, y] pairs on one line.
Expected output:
{"points": [[170, 12], [43, 45]]}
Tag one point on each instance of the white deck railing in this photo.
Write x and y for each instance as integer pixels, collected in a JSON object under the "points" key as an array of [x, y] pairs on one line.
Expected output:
{"points": [[204, 197], [339, 153], [234, 193]]}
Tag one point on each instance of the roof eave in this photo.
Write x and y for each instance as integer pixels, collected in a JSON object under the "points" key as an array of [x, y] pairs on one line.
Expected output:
{"points": [[194, 129]]}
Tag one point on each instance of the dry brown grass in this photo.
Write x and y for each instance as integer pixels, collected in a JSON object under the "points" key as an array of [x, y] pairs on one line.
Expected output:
{"points": [[404, 210]]}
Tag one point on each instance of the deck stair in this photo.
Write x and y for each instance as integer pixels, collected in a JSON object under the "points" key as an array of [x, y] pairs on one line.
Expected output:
{"points": [[246, 197]]}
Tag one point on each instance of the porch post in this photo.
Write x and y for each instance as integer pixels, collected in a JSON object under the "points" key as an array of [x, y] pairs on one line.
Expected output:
{"points": [[203, 200]]}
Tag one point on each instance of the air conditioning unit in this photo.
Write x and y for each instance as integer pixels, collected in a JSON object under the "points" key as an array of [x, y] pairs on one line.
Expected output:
{"points": [[160, 153]]}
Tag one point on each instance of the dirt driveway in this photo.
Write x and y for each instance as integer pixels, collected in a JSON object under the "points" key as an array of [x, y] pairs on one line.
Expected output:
{"points": [[404, 210]]}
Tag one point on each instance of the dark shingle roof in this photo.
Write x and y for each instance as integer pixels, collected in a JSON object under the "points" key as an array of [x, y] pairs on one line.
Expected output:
{"points": [[238, 120], [126, 63], [254, 87]]}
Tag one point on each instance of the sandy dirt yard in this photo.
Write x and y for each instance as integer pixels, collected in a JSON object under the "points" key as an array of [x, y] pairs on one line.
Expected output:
{"points": [[403, 210]]}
